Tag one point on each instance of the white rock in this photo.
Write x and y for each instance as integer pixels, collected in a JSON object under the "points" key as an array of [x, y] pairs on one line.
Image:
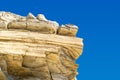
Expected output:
{"points": [[31, 16], [41, 17], [6, 17], [71, 26]]}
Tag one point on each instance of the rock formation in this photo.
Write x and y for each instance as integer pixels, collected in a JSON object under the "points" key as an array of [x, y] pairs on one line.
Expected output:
{"points": [[34, 48]]}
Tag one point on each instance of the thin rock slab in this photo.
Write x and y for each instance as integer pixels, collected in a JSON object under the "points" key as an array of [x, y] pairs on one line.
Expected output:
{"points": [[42, 27], [17, 25], [68, 30]]}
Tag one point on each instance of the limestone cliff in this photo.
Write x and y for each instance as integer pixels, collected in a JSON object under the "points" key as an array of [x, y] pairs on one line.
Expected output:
{"points": [[34, 48]]}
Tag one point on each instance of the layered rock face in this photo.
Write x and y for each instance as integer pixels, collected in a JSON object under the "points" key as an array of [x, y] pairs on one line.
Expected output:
{"points": [[34, 48]]}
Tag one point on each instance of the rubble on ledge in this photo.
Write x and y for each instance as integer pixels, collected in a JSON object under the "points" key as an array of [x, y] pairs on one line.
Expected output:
{"points": [[37, 24]]}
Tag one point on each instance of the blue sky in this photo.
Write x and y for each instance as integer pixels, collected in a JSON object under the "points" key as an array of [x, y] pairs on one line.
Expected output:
{"points": [[99, 26]]}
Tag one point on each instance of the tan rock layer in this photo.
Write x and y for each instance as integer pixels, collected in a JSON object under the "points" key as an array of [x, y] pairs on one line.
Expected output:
{"points": [[31, 49]]}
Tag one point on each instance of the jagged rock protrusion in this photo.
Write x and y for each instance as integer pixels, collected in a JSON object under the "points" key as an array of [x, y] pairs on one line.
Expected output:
{"points": [[30, 16], [41, 17]]}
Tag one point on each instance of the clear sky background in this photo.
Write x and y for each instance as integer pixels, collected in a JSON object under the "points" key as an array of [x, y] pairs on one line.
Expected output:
{"points": [[99, 26]]}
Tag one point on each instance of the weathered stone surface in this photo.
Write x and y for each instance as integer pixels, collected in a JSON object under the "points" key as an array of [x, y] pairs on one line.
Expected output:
{"points": [[26, 53], [33, 61], [6, 17], [68, 30], [42, 27], [3, 25], [2, 75], [17, 25], [30, 16], [41, 17]]}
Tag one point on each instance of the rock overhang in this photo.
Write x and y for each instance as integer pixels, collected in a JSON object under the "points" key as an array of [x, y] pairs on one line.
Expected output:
{"points": [[41, 41]]}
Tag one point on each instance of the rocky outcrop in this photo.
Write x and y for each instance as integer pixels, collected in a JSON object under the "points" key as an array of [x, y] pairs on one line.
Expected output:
{"points": [[34, 48]]}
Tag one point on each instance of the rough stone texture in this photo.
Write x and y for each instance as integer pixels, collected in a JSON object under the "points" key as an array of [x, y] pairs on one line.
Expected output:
{"points": [[41, 17], [37, 49], [68, 30]]}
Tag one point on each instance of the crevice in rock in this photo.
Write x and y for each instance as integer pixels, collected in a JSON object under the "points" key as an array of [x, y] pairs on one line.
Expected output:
{"points": [[26, 23], [51, 75]]}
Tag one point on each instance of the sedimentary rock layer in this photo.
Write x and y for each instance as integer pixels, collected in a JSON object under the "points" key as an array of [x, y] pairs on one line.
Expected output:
{"points": [[34, 48]]}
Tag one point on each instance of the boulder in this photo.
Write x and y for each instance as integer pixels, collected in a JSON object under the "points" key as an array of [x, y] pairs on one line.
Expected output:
{"points": [[30, 16], [3, 25], [41, 17], [42, 27], [17, 25], [68, 30]]}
